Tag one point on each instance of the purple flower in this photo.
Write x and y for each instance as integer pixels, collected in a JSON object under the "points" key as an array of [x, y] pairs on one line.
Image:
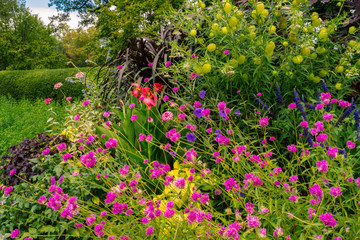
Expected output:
{"points": [[202, 94], [191, 137], [198, 112]]}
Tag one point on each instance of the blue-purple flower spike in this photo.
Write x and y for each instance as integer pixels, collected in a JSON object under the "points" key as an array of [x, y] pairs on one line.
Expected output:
{"points": [[299, 105], [323, 84], [278, 94]]}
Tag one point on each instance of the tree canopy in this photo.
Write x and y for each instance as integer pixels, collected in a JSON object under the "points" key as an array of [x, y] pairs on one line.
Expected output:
{"points": [[25, 42], [119, 20]]}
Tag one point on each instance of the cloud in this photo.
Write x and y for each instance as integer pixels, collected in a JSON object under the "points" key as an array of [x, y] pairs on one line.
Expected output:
{"points": [[45, 13]]}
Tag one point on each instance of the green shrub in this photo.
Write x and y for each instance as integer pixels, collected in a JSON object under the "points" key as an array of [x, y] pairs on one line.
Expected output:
{"points": [[34, 84]]}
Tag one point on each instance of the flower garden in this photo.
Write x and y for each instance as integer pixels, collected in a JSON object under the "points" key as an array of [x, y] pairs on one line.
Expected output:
{"points": [[245, 128]]}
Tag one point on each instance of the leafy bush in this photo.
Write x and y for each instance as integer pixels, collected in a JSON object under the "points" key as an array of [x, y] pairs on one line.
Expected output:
{"points": [[35, 84], [19, 156], [252, 46], [24, 119]]}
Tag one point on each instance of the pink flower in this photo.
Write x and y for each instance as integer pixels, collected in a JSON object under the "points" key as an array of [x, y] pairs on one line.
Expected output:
{"points": [[322, 137], [278, 232], [292, 148], [264, 122], [149, 231], [111, 143], [262, 232], [182, 116], [293, 178], [58, 85], [350, 144], [106, 114], [68, 98], [193, 75], [328, 219], [325, 97], [42, 199], [304, 124], [253, 221], [221, 105], [86, 102], [335, 191], [292, 106], [180, 183], [15, 233], [120, 67], [79, 75], [77, 117], [12, 172], [344, 104], [47, 101], [322, 166], [294, 198], [327, 117], [165, 98], [319, 106], [316, 191], [226, 52], [8, 190], [133, 118], [150, 64], [61, 147], [46, 151], [167, 116], [167, 64]]}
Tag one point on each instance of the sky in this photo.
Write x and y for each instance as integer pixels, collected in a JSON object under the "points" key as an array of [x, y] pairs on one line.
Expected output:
{"points": [[40, 7]]}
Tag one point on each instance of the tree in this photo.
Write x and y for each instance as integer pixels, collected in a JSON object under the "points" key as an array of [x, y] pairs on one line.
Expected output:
{"points": [[119, 20], [25, 42], [80, 45]]}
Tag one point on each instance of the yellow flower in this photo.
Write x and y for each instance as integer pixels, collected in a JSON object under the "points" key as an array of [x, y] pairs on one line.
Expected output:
{"points": [[339, 69], [193, 33], [211, 47], [305, 52], [298, 59], [241, 59], [338, 86], [352, 30], [227, 7], [224, 30], [206, 68], [272, 29]]}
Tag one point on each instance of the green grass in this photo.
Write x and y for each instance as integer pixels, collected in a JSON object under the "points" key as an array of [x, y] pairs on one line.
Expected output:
{"points": [[24, 119]]}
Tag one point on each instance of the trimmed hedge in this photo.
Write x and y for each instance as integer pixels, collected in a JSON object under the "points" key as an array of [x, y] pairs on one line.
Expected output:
{"points": [[33, 84]]}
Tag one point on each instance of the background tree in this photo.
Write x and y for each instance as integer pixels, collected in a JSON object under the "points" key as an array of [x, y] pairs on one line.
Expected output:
{"points": [[25, 42], [80, 45], [119, 20]]}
